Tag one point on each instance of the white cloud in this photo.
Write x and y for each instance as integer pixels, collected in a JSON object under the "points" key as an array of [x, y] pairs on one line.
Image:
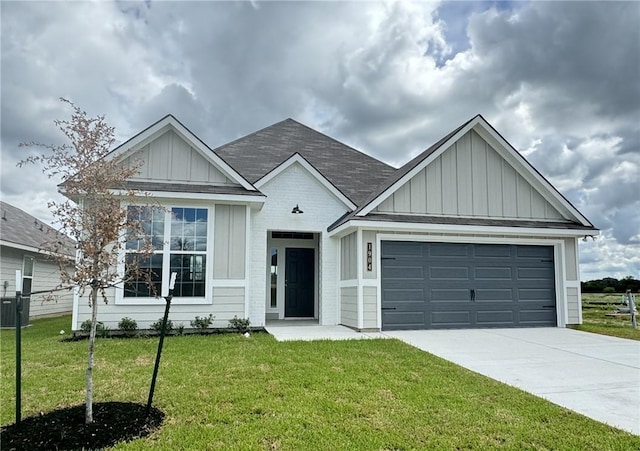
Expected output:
{"points": [[555, 78]]}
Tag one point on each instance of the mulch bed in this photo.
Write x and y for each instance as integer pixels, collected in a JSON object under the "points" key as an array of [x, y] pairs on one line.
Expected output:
{"points": [[65, 429]]}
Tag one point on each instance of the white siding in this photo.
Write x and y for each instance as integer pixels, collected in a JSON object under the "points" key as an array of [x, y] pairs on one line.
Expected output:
{"points": [[349, 306], [470, 179], [573, 305], [227, 303], [169, 157], [370, 305], [46, 276]]}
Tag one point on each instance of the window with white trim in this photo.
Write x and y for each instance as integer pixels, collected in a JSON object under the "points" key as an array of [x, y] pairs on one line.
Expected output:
{"points": [[27, 274], [179, 236]]}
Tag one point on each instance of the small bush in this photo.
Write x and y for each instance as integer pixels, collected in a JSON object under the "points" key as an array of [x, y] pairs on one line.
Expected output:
{"points": [[608, 290], [202, 323], [180, 329], [86, 326], [239, 324], [157, 326], [127, 324]]}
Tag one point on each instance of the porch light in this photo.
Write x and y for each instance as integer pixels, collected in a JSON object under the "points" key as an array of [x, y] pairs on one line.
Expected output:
{"points": [[296, 210]]}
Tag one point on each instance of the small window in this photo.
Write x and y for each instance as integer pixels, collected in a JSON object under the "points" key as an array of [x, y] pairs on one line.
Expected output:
{"points": [[274, 278], [27, 275]]}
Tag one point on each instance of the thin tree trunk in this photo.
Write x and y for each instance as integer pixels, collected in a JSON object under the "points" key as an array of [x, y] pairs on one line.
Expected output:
{"points": [[88, 417]]}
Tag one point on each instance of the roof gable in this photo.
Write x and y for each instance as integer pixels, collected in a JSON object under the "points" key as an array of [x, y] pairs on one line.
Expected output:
{"points": [[171, 152], [299, 159], [352, 172], [473, 147]]}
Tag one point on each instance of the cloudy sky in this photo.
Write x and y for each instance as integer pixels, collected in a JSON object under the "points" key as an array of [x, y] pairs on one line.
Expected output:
{"points": [[560, 80]]}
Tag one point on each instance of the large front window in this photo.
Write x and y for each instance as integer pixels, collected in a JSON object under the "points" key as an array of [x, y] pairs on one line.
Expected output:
{"points": [[179, 248]]}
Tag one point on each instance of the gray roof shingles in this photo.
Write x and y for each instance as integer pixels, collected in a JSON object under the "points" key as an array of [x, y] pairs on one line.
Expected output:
{"points": [[19, 227], [353, 173]]}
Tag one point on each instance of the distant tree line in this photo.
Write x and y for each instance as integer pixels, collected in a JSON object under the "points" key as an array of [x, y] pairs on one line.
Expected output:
{"points": [[611, 285]]}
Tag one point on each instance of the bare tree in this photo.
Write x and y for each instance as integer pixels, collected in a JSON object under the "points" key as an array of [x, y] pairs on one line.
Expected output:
{"points": [[96, 214]]}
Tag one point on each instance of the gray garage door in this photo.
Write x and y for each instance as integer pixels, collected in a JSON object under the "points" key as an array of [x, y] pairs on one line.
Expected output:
{"points": [[455, 285]]}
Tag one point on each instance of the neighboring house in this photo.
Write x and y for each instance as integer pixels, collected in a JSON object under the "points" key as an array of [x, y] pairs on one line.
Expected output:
{"points": [[23, 239], [289, 223]]}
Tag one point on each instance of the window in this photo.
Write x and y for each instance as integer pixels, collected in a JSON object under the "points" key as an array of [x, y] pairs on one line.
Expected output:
{"points": [[274, 278], [27, 275], [180, 248]]}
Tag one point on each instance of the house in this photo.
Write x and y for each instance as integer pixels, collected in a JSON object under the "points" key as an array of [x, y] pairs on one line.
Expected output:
{"points": [[289, 223], [23, 240]]}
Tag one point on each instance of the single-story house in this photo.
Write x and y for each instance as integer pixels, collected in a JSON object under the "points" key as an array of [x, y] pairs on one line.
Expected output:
{"points": [[23, 243], [288, 223]]}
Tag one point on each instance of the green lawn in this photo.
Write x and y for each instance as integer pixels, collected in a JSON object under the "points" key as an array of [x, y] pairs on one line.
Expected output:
{"points": [[232, 392], [595, 306]]}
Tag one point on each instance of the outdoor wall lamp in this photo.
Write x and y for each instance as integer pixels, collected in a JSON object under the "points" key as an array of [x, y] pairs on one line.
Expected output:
{"points": [[296, 210]]}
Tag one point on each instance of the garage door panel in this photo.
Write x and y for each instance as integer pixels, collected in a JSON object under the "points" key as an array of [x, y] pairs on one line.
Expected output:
{"points": [[450, 319], [495, 295], [449, 295], [495, 318], [537, 317], [447, 250], [404, 295], [405, 272], [493, 273], [448, 273], [492, 251], [514, 286], [541, 252], [535, 294], [535, 273], [403, 320]]}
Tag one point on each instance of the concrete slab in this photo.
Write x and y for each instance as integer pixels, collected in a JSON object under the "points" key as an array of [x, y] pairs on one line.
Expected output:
{"points": [[311, 330], [595, 375]]}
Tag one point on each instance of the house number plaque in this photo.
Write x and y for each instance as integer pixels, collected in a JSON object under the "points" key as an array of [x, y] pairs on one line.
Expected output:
{"points": [[369, 257]]}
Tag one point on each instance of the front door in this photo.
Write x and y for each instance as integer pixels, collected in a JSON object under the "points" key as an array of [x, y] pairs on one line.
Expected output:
{"points": [[299, 283]]}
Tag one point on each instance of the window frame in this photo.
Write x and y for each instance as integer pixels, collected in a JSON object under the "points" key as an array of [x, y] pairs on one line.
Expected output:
{"points": [[166, 253]]}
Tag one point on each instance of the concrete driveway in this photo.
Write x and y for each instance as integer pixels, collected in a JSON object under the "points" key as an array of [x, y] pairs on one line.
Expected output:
{"points": [[595, 375]]}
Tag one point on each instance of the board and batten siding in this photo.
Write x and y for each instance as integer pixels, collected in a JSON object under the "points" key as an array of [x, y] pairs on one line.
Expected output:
{"points": [[169, 157], [348, 255], [229, 242], [349, 306], [470, 179], [46, 276]]}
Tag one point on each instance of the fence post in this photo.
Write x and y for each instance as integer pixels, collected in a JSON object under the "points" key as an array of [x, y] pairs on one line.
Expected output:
{"points": [[18, 346], [632, 309]]}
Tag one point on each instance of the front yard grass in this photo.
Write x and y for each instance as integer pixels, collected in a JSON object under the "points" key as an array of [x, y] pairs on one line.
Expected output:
{"points": [[232, 392], [595, 306]]}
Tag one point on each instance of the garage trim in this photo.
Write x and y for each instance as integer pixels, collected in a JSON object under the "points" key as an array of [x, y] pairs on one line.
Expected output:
{"points": [[562, 312]]}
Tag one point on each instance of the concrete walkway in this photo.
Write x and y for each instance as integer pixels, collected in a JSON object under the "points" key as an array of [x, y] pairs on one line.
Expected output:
{"points": [[595, 375], [311, 330]]}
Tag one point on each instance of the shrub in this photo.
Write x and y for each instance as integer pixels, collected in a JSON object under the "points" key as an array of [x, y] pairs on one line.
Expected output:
{"points": [[239, 324], [127, 324], [86, 326], [180, 329], [608, 290], [202, 323], [157, 326]]}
